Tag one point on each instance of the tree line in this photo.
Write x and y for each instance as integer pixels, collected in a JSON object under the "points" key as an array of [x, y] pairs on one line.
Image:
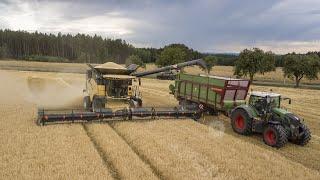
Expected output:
{"points": [[62, 47], [83, 48], [73, 48], [294, 66]]}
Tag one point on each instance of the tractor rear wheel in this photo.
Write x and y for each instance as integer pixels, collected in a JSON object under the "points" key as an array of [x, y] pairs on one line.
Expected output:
{"points": [[241, 122], [305, 138], [275, 135], [86, 103]]}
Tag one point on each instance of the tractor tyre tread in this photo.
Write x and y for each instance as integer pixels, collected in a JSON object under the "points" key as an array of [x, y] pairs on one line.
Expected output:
{"points": [[248, 121], [282, 135], [305, 138]]}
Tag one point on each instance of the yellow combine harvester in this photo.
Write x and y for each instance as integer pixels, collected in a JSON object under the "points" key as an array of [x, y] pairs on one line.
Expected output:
{"points": [[110, 82]]}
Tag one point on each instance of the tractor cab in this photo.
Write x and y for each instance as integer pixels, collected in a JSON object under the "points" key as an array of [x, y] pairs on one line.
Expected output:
{"points": [[264, 101]]}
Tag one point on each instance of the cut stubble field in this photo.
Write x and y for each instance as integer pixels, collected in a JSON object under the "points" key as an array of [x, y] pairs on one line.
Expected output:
{"points": [[156, 149]]}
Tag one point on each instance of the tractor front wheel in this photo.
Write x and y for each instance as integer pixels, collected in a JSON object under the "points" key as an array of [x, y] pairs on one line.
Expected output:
{"points": [[305, 138], [241, 122], [275, 135]]}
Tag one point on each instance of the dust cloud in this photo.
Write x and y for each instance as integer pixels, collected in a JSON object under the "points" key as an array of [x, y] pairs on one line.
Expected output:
{"points": [[53, 92]]}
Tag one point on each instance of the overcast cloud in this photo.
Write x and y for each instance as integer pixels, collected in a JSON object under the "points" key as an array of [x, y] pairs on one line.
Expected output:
{"points": [[205, 25]]}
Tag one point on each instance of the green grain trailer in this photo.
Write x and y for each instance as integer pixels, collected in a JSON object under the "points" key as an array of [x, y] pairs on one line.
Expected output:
{"points": [[212, 93]]}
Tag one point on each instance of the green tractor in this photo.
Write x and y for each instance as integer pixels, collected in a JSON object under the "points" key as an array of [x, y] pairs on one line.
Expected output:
{"points": [[263, 114]]}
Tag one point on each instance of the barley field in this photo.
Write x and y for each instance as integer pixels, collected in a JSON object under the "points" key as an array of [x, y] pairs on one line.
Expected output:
{"points": [[155, 149]]}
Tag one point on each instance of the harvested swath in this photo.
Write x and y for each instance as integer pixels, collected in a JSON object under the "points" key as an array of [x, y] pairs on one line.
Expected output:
{"points": [[124, 160], [189, 149], [32, 152]]}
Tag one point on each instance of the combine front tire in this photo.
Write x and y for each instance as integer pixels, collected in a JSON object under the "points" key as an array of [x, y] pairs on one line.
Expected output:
{"points": [[86, 103], [305, 138], [97, 103], [241, 122], [275, 135]]}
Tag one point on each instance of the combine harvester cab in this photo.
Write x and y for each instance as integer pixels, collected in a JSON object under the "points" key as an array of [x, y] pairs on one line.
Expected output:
{"points": [[211, 93]]}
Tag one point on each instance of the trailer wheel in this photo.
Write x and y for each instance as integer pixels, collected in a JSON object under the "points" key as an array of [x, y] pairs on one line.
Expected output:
{"points": [[196, 116], [241, 122], [305, 138], [86, 102], [275, 136]]}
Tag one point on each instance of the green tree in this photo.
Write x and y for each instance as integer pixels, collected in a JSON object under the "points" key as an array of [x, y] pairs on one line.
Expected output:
{"points": [[134, 59], [297, 66], [251, 62], [210, 61], [171, 55]]}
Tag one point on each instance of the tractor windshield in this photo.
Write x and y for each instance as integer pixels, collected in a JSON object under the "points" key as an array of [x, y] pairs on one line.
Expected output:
{"points": [[260, 102]]}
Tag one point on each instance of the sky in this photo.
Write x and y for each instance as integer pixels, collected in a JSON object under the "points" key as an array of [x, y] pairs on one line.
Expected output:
{"points": [[215, 26]]}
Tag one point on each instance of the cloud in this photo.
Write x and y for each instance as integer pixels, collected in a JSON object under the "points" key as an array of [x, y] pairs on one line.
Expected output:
{"points": [[205, 25], [66, 17], [278, 47]]}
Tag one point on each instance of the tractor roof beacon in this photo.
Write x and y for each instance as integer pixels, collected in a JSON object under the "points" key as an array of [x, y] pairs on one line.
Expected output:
{"points": [[263, 114]]}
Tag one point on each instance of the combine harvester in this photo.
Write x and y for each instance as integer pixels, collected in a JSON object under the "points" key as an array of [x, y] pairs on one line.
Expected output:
{"points": [[197, 94]]}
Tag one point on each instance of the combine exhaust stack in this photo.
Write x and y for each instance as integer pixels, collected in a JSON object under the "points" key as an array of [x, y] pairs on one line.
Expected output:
{"points": [[104, 115]]}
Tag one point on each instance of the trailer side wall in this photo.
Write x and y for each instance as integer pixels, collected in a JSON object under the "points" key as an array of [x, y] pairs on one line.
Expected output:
{"points": [[215, 92]]}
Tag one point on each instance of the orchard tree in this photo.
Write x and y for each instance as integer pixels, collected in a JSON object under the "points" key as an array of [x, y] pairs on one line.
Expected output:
{"points": [[134, 59], [210, 61], [251, 62], [297, 66], [171, 55]]}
